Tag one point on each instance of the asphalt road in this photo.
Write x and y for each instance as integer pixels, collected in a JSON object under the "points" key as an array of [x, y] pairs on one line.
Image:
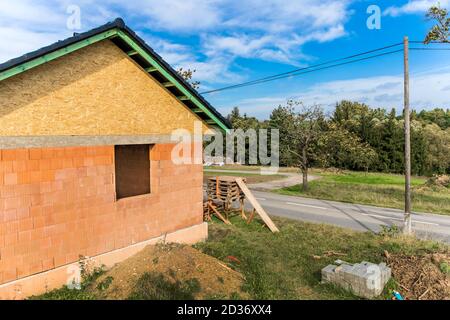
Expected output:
{"points": [[353, 216]]}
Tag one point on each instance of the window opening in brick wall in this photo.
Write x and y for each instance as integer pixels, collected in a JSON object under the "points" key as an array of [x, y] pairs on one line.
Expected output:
{"points": [[132, 166]]}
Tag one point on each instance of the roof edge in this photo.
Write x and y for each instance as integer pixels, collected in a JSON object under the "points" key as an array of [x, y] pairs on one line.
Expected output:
{"points": [[105, 31]]}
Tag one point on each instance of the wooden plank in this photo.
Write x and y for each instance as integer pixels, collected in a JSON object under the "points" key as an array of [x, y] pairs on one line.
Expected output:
{"points": [[256, 205], [219, 215], [151, 69], [124, 36], [168, 84]]}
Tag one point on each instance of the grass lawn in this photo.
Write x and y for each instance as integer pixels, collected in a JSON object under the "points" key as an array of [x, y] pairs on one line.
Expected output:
{"points": [[251, 177], [248, 168], [275, 266], [378, 189], [281, 266]]}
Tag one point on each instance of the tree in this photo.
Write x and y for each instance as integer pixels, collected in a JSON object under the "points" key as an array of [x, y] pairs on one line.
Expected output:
{"points": [[441, 31], [301, 131], [438, 149], [438, 116], [246, 123], [343, 149], [187, 75], [282, 118]]}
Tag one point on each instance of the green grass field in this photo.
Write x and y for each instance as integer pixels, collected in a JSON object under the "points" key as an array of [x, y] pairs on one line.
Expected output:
{"points": [[275, 266], [250, 177], [248, 168], [378, 189], [282, 266]]}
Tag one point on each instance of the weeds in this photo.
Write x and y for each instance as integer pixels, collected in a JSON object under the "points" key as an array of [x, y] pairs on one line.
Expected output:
{"points": [[154, 286]]}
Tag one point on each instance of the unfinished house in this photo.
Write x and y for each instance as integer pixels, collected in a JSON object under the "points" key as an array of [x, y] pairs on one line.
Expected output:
{"points": [[85, 157]]}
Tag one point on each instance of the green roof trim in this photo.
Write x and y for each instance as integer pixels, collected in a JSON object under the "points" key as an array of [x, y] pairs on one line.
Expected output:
{"points": [[56, 54], [169, 77], [137, 49]]}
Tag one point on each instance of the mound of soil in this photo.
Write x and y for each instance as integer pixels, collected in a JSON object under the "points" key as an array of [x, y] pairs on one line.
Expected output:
{"points": [[421, 277], [437, 182], [177, 263]]}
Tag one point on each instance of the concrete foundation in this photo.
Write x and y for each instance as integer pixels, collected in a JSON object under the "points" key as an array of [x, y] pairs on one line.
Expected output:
{"points": [[71, 273], [364, 279]]}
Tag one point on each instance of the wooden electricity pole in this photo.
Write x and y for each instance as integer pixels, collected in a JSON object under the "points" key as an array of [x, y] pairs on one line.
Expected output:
{"points": [[407, 117]]}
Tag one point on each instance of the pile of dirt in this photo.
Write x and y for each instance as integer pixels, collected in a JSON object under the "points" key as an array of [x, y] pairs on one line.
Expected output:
{"points": [[421, 277], [177, 264], [437, 182]]}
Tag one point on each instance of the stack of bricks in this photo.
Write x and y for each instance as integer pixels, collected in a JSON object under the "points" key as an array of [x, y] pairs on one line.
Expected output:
{"points": [[364, 279], [57, 204]]}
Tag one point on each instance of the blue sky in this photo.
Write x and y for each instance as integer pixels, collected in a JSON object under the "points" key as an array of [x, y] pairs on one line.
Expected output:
{"points": [[229, 41]]}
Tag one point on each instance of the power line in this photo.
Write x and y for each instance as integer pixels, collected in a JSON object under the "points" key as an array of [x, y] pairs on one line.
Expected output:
{"points": [[431, 42], [289, 73], [430, 49], [326, 67], [298, 73]]}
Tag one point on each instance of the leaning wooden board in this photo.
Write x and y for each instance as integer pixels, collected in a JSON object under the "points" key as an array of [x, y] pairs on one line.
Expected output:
{"points": [[256, 205]]}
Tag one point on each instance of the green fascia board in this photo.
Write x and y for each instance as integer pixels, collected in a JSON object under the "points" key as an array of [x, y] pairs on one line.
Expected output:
{"points": [[169, 77], [57, 54], [102, 36]]}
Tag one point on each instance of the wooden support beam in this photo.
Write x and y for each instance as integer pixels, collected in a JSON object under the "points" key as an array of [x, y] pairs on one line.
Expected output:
{"points": [[168, 84], [183, 98], [132, 53], [251, 198], [197, 110], [151, 69], [124, 36], [218, 214], [210, 122]]}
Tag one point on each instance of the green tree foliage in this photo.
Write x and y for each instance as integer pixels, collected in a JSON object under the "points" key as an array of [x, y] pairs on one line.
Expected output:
{"points": [[441, 31], [282, 118], [341, 148], [300, 130], [438, 116], [245, 123], [187, 75], [358, 137], [438, 149]]}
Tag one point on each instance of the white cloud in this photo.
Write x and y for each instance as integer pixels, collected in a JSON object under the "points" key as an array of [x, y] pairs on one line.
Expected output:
{"points": [[270, 30], [211, 70], [427, 90], [414, 6], [24, 41]]}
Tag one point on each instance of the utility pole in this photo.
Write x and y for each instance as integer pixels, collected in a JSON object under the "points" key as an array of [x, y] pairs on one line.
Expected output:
{"points": [[407, 117]]}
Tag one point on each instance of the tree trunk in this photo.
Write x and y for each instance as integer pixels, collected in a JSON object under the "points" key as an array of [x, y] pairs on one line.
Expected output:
{"points": [[305, 170], [305, 179]]}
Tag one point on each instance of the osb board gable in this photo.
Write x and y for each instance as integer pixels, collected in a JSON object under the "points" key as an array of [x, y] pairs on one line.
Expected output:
{"points": [[97, 90]]}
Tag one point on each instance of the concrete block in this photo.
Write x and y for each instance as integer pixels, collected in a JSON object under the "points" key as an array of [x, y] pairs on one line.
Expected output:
{"points": [[364, 279]]}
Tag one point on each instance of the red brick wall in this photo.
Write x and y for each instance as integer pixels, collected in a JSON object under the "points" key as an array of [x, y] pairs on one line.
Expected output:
{"points": [[59, 203]]}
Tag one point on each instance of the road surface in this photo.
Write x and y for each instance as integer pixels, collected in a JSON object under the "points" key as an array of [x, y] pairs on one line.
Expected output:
{"points": [[290, 179], [353, 216]]}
